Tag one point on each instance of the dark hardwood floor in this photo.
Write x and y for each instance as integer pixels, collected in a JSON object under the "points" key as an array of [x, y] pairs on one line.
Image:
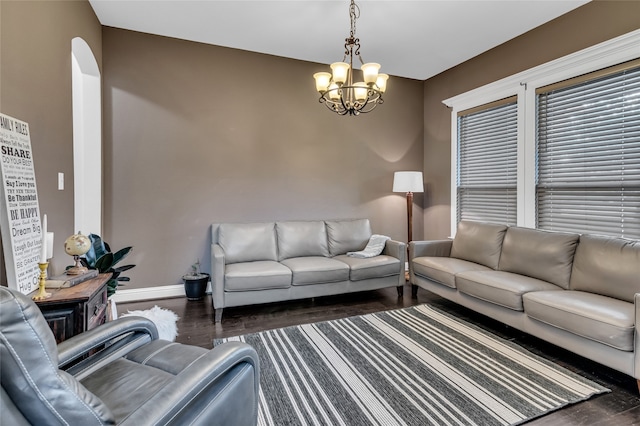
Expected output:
{"points": [[195, 327]]}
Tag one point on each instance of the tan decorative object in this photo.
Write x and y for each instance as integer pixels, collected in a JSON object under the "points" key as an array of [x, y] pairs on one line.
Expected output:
{"points": [[77, 245]]}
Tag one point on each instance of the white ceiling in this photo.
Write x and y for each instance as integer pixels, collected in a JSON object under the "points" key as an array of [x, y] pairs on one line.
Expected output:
{"points": [[414, 39]]}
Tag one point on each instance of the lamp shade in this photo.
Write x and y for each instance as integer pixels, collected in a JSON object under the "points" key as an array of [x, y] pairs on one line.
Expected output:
{"points": [[370, 72], [381, 82], [408, 182], [334, 93], [323, 79], [340, 72], [360, 91]]}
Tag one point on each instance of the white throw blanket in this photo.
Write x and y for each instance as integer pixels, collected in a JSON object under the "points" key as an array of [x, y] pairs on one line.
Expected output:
{"points": [[374, 247]]}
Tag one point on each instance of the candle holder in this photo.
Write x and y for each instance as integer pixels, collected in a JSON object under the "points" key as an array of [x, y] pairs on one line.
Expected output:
{"points": [[42, 294]]}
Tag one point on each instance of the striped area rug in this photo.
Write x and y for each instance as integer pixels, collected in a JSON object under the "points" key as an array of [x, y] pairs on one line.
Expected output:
{"points": [[413, 366]]}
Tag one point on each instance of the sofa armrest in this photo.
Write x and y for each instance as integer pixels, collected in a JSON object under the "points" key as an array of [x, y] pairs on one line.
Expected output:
{"points": [[107, 342], [223, 384], [436, 248], [398, 250], [636, 339], [217, 276]]}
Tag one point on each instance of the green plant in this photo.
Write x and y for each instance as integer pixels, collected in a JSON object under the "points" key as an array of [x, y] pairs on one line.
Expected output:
{"points": [[195, 272], [101, 258]]}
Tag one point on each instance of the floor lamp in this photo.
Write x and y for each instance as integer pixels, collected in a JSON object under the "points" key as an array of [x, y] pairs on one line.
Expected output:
{"points": [[408, 182]]}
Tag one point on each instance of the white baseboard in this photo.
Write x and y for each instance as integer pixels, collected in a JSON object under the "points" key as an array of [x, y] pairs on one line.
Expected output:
{"points": [[151, 293]]}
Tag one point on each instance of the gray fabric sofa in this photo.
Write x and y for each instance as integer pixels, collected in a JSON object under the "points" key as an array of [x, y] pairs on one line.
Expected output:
{"points": [[265, 262], [579, 292]]}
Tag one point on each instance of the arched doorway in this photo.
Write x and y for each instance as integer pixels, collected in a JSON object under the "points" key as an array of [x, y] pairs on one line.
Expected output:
{"points": [[87, 139]]}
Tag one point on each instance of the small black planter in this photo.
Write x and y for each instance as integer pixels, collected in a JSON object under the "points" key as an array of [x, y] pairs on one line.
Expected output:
{"points": [[196, 288]]}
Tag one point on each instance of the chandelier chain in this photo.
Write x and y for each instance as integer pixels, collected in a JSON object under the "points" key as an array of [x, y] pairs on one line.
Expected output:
{"points": [[354, 13], [352, 41]]}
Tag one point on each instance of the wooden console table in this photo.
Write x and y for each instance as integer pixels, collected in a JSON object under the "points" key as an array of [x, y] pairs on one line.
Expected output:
{"points": [[70, 311]]}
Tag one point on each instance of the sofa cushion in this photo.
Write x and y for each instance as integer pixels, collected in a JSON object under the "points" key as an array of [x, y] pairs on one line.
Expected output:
{"points": [[443, 269], [260, 275], [478, 242], [347, 235], [298, 239], [316, 270], [603, 319], [372, 267], [539, 254], [608, 266], [248, 242], [502, 288]]}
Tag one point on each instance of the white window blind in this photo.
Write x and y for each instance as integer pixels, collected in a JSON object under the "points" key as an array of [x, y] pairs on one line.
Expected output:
{"points": [[487, 163], [588, 155]]}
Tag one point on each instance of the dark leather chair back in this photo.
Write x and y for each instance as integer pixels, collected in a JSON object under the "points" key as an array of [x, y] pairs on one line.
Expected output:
{"points": [[30, 374]]}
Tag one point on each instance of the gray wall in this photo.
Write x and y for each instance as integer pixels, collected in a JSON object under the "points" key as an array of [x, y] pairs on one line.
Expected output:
{"points": [[35, 86], [586, 26], [196, 134]]}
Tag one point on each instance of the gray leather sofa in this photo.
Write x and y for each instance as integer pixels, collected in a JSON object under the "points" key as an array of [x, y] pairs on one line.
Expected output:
{"points": [[274, 261], [579, 292], [118, 373]]}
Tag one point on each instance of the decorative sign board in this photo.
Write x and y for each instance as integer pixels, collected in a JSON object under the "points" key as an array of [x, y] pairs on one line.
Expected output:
{"points": [[20, 214]]}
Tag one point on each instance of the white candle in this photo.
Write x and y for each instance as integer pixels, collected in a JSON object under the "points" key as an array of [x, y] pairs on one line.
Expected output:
{"points": [[43, 249]]}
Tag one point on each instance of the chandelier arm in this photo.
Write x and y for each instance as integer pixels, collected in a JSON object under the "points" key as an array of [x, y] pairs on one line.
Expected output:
{"points": [[335, 107], [373, 94], [372, 106], [368, 110], [345, 106], [349, 91]]}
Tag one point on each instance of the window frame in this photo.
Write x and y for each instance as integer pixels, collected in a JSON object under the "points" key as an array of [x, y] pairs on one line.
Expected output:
{"points": [[524, 85]]}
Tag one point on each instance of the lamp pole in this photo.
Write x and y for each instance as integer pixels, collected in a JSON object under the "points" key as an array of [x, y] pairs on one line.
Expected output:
{"points": [[409, 217]]}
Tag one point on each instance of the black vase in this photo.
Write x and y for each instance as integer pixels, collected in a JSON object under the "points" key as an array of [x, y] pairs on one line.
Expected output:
{"points": [[196, 288]]}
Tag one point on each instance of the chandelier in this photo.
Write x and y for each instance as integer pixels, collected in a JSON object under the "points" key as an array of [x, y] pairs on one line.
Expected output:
{"points": [[337, 89]]}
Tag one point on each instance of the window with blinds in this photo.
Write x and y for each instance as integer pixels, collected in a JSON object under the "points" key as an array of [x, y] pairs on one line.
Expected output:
{"points": [[487, 163], [588, 154]]}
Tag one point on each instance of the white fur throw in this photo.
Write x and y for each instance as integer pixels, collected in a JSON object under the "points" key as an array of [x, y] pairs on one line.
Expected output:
{"points": [[164, 319], [374, 247]]}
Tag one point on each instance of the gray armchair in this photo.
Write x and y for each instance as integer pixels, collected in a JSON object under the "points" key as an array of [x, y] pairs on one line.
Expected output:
{"points": [[118, 373]]}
